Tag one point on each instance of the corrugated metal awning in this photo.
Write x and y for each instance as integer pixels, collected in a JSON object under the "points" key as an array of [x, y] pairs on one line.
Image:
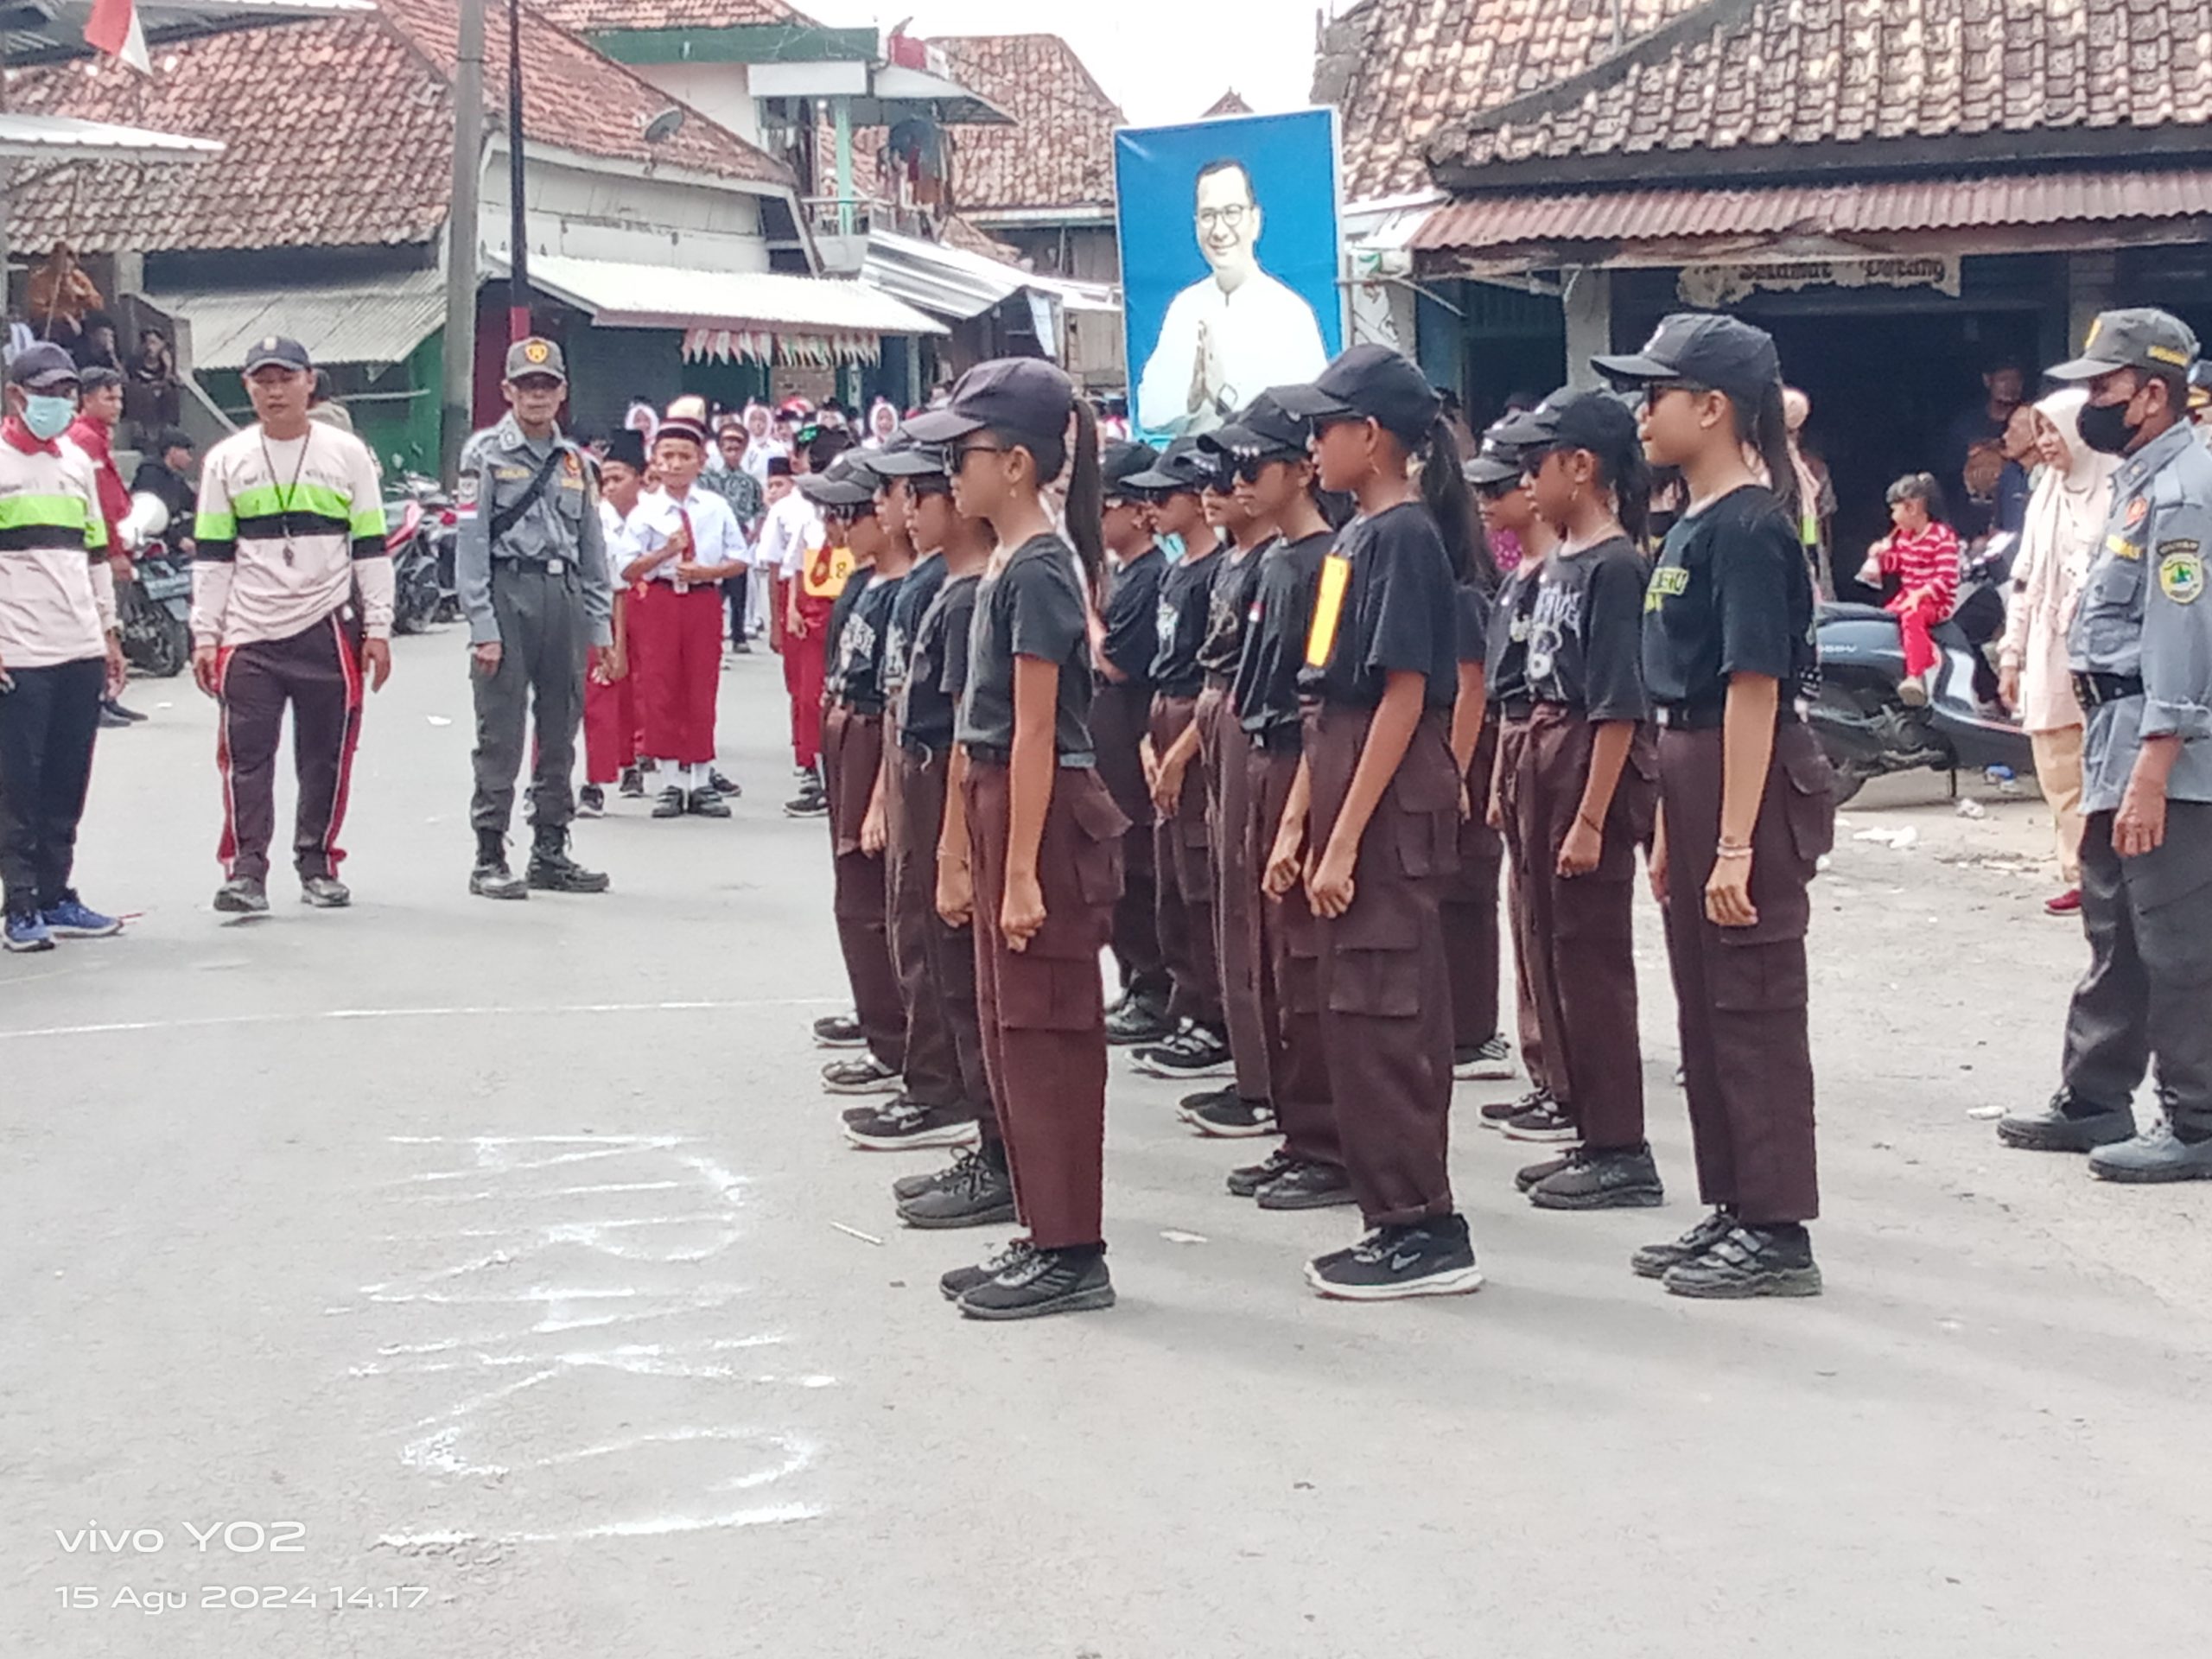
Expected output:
{"points": [[1474, 224], [623, 296], [953, 282], [53, 32], [375, 320], [65, 138]]}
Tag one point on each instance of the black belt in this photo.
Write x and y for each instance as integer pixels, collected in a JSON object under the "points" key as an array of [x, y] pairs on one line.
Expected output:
{"points": [[865, 710], [993, 754], [532, 566], [2095, 690], [1691, 716], [1516, 707], [923, 751], [1280, 739]]}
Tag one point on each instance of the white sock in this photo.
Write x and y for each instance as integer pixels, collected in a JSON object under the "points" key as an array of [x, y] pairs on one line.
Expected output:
{"points": [[696, 777]]}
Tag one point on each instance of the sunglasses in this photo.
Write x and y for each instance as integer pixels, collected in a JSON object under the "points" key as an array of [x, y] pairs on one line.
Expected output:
{"points": [[961, 454], [1499, 490], [1248, 467]]}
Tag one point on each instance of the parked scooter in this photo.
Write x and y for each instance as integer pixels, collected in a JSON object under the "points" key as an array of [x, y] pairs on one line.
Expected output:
{"points": [[419, 532], [154, 612], [1866, 727]]}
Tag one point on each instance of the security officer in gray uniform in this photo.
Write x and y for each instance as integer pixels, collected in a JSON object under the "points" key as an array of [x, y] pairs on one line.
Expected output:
{"points": [[2140, 649], [532, 567]]}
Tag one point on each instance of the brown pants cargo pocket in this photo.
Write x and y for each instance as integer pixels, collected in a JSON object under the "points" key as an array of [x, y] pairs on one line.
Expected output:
{"points": [[1100, 825], [1810, 806], [1050, 993], [1384, 984], [1750, 975]]}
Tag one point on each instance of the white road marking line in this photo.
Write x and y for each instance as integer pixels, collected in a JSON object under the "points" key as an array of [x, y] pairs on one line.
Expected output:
{"points": [[486, 1011]]}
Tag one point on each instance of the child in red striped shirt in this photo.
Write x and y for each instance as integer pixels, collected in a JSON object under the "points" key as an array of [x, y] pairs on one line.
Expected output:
{"points": [[1923, 554]]}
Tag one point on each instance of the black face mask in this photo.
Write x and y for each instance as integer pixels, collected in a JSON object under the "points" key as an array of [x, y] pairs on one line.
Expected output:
{"points": [[2106, 428]]}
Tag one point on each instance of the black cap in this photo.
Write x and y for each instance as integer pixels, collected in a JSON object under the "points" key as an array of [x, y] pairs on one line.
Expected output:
{"points": [[779, 466], [1186, 468], [903, 455], [1706, 349], [43, 366], [275, 350], [1497, 462], [1369, 383], [847, 485], [2154, 341], [1265, 428], [1122, 462], [1024, 395], [1596, 421], [627, 445]]}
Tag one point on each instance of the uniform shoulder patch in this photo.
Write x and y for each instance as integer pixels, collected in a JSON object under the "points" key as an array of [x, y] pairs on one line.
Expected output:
{"points": [[2181, 572], [464, 493], [2138, 511]]}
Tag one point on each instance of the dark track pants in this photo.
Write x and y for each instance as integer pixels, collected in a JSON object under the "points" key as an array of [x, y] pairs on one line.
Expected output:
{"points": [[49, 725], [317, 672]]}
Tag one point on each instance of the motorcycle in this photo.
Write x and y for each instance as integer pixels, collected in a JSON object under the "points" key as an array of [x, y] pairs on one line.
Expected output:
{"points": [[154, 610], [1863, 722], [419, 532]]}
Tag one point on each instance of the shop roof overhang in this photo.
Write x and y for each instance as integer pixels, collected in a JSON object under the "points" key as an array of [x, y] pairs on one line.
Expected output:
{"points": [[1989, 212], [957, 284], [622, 296], [52, 31], [375, 321], [65, 138]]}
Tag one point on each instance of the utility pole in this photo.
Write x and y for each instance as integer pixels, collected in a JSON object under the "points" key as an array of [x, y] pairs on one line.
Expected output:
{"points": [[457, 401], [519, 323]]}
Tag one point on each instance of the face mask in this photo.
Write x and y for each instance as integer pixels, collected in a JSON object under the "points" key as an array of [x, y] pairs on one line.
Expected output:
{"points": [[2106, 428], [48, 417]]}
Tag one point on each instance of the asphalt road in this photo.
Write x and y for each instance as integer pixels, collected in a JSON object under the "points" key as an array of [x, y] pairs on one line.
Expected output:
{"points": [[443, 1278]]}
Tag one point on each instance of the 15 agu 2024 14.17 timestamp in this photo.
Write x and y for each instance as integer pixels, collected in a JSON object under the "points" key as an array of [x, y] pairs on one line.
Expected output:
{"points": [[155, 1600]]}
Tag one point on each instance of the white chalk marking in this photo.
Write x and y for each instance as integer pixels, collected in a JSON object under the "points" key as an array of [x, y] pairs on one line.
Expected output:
{"points": [[855, 1232], [487, 1011]]}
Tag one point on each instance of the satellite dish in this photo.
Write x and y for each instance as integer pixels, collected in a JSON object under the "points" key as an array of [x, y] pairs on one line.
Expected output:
{"points": [[664, 126]]}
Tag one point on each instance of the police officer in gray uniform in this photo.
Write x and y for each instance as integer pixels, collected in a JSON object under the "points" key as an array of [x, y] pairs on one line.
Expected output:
{"points": [[2140, 649], [532, 567]]}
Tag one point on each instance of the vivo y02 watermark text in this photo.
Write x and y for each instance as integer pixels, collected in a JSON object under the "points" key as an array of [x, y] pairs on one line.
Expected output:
{"points": [[260, 1545]]}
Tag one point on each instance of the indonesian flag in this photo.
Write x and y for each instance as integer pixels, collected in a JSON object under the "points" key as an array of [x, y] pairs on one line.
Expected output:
{"points": [[114, 29]]}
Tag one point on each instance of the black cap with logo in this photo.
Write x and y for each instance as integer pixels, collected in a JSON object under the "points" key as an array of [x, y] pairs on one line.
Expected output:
{"points": [[1022, 395], [845, 487], [1597, 420], [275, 351], [1369, 383], [1496, 463], [2142, 337], [1703, 349], [1122, 462], [1263, 430], [1186, 468]]}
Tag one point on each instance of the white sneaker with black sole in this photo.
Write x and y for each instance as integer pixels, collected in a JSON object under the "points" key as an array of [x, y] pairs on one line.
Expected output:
{"points": [[1487, 1062], [1195, 1051]]}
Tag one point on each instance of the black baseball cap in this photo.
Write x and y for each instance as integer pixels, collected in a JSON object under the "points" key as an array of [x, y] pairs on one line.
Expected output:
{"points": [[275, 351], [627, 445], [43, 366], [1596, 421], [1705, 349], [2155, 341], [1369, 383], [1186, 468], [1496, 463], [904, 455], [847, 485], [1122, 462], [1263, 430], [1024, 395]]}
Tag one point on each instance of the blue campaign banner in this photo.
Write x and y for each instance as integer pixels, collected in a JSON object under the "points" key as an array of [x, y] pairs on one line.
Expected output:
{"points": [[1229, 236]]}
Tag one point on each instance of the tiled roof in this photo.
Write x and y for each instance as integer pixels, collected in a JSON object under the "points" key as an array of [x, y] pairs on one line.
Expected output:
{"points": [[1060, 152], [338, 134], [586, 16], [1230, 102], [1743, 76], [1408, 66], [959, 233]]}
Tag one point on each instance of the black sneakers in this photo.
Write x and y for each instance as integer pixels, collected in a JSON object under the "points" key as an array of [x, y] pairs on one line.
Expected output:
{"points": [[906, 1124], [1428, 1258], [1307, 1186], [1497, 1114], [551, 870], [1748, 1262], [1619, 1178], [704, 803], [839, 1031], [976, 1191], [591, 802], [1490, 1060], [669, 804], [861, 1075], [1545, 1122], [722, 785], [2067, 1125], [1654, 1261], [1231, 1119], [632, 787], [958, 1283], [811, 802], [1246, 1182], [1193, 1050], [243, 895], [1134, 1019], [1044, 1283], [492, 878], [324, 893], [1528, 1175]]}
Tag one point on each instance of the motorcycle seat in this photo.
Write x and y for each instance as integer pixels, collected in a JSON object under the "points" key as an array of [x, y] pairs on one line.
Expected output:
{"points": [[1844, 611]]}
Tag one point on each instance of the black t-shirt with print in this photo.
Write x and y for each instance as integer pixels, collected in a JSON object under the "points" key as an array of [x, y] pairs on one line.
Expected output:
{"points": [[1398, 614], [1508, 634], [1132, 615], [915, 592], [1729, 595], [1585, 646], [1474, 623], [1265, 695], [1228, 605], [856, 669], [1186, 597], [1033, 606], [936, 665]]}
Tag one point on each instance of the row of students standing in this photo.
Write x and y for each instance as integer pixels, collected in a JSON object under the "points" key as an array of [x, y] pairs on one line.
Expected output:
{"points": [[1361, 736]]}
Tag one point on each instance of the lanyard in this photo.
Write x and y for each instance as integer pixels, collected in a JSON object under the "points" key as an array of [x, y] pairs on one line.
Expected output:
{"points": [[289, 494]]}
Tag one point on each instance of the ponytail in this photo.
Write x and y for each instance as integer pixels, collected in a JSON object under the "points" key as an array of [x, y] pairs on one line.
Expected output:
{"points": [[1087, 499], [1443, 491], [1767, 432]]}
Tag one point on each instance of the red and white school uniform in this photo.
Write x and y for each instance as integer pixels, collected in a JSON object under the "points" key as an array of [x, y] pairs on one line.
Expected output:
{"points": [[678, 629], [610, 730]]}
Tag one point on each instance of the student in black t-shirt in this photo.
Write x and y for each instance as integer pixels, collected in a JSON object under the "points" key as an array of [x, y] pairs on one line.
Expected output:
{"points": [[1196, 1048], [1033, 846], [1374, 815], [1508, 508], [1124, 638], [852, 755], [937, 958], [1747, 803], [1280, 485], [1584, 795]]}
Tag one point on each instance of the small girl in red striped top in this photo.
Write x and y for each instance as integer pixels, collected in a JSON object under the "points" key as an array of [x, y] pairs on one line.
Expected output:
{"points": [[1923, 554]]}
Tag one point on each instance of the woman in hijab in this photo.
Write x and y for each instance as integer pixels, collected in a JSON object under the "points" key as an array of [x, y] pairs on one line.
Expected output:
{"points": [[2066, 516]]}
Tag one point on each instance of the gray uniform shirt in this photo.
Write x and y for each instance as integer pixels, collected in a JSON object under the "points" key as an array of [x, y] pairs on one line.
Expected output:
{"points": [[561, 526], [2143, 613]]}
